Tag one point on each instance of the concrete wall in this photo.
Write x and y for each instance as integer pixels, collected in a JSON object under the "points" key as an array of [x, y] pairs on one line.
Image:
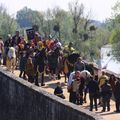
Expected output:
{"points": [[20, 100]]}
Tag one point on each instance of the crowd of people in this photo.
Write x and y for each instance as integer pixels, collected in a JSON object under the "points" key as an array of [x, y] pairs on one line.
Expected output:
{"points": [[40, 56]]}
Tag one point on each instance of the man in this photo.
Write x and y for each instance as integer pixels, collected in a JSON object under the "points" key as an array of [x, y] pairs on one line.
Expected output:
{"points": [[79, 65], [73, 88], [117, 95], [106, 93], [69, 49], [16, 39], [93, 92], [39, 63]]}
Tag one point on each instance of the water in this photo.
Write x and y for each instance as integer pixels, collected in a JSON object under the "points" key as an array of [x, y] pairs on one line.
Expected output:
{"points": [[108, 61], [113, 65]]}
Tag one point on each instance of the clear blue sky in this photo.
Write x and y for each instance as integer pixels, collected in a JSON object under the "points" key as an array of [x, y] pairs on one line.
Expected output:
{"points": [[101, 9]]}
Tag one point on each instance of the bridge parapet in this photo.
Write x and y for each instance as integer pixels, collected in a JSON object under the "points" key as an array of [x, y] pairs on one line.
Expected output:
{"points": [[20, 100]]}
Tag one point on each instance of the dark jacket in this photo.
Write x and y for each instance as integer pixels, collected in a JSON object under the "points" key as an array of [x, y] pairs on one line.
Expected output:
{"points": [[117, 90], [23, 61], [93, 87], [106, 91], [58, 90]]}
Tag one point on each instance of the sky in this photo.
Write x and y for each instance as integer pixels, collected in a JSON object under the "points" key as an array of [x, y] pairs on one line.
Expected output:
{"points": [[100, 9]]}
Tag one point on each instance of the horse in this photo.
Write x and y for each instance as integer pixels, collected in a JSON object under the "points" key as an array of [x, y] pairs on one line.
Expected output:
{"points": [[68, 63]]}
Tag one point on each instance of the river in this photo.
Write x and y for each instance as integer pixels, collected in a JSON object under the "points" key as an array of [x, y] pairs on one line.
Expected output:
{"points": [[108, 61]]}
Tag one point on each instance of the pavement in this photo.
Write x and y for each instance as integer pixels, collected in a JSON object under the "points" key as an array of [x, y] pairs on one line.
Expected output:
{"points": [[51, 84]]}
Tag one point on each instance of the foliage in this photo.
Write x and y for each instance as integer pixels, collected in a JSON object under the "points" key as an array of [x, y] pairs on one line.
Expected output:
{"points": [[115, 41], [115, 34], [8, 24]]}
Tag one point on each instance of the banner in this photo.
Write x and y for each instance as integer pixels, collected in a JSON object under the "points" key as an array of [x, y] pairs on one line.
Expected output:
{"points": [[30, 33]]}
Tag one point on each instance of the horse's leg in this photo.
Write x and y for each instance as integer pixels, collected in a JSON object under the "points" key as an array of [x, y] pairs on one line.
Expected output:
{"points": [[65, 78]]}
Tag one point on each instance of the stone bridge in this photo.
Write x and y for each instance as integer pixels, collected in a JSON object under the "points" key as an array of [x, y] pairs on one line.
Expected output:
{"points": [[20, 100]]}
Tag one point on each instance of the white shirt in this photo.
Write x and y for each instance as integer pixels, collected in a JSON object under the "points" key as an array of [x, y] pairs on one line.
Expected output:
{"points": [[83, 74], [11, 53], [71, 78]]}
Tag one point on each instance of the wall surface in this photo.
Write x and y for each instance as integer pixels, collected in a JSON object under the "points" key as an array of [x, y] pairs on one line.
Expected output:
{"points": [[20, 100]]}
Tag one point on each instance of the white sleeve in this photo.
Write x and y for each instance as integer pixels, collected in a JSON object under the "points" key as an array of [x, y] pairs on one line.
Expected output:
{"points": [[9, 53], [70, 79]]}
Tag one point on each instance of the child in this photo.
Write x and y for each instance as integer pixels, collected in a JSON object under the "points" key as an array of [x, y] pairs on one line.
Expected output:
{"points": [[58, 91], [30, 70]]}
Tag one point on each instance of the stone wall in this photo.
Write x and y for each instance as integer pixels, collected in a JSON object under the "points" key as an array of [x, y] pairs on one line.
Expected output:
{"points": [[20, 100]]}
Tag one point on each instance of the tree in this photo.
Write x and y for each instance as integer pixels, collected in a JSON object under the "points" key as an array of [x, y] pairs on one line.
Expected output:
{"points": [[115, 34], [48, 26], [27, 18], [59, 16], [115, 41], [23, 17], [80, 24], [8, 24], [77, 13]]}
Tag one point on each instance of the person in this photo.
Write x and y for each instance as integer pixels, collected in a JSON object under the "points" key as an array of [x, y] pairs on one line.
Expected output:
{"points": [[69, 49], [101, 81], [73, 88], [36, 38], [79, 65], [93, 92], [7, 44], [71, 78], [58, 91], [86, 76], [112, 81], [11, 59], [22, 65], [81, 88], [106, 93], [102, 78], [30, 70], [39, 63], [117, 95], [53, 64], [16, 39]]}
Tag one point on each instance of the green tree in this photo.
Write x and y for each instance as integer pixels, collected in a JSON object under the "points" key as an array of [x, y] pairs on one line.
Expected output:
{"points": [[27, 18], [115, 34], [115, 41], [8, 24]]}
